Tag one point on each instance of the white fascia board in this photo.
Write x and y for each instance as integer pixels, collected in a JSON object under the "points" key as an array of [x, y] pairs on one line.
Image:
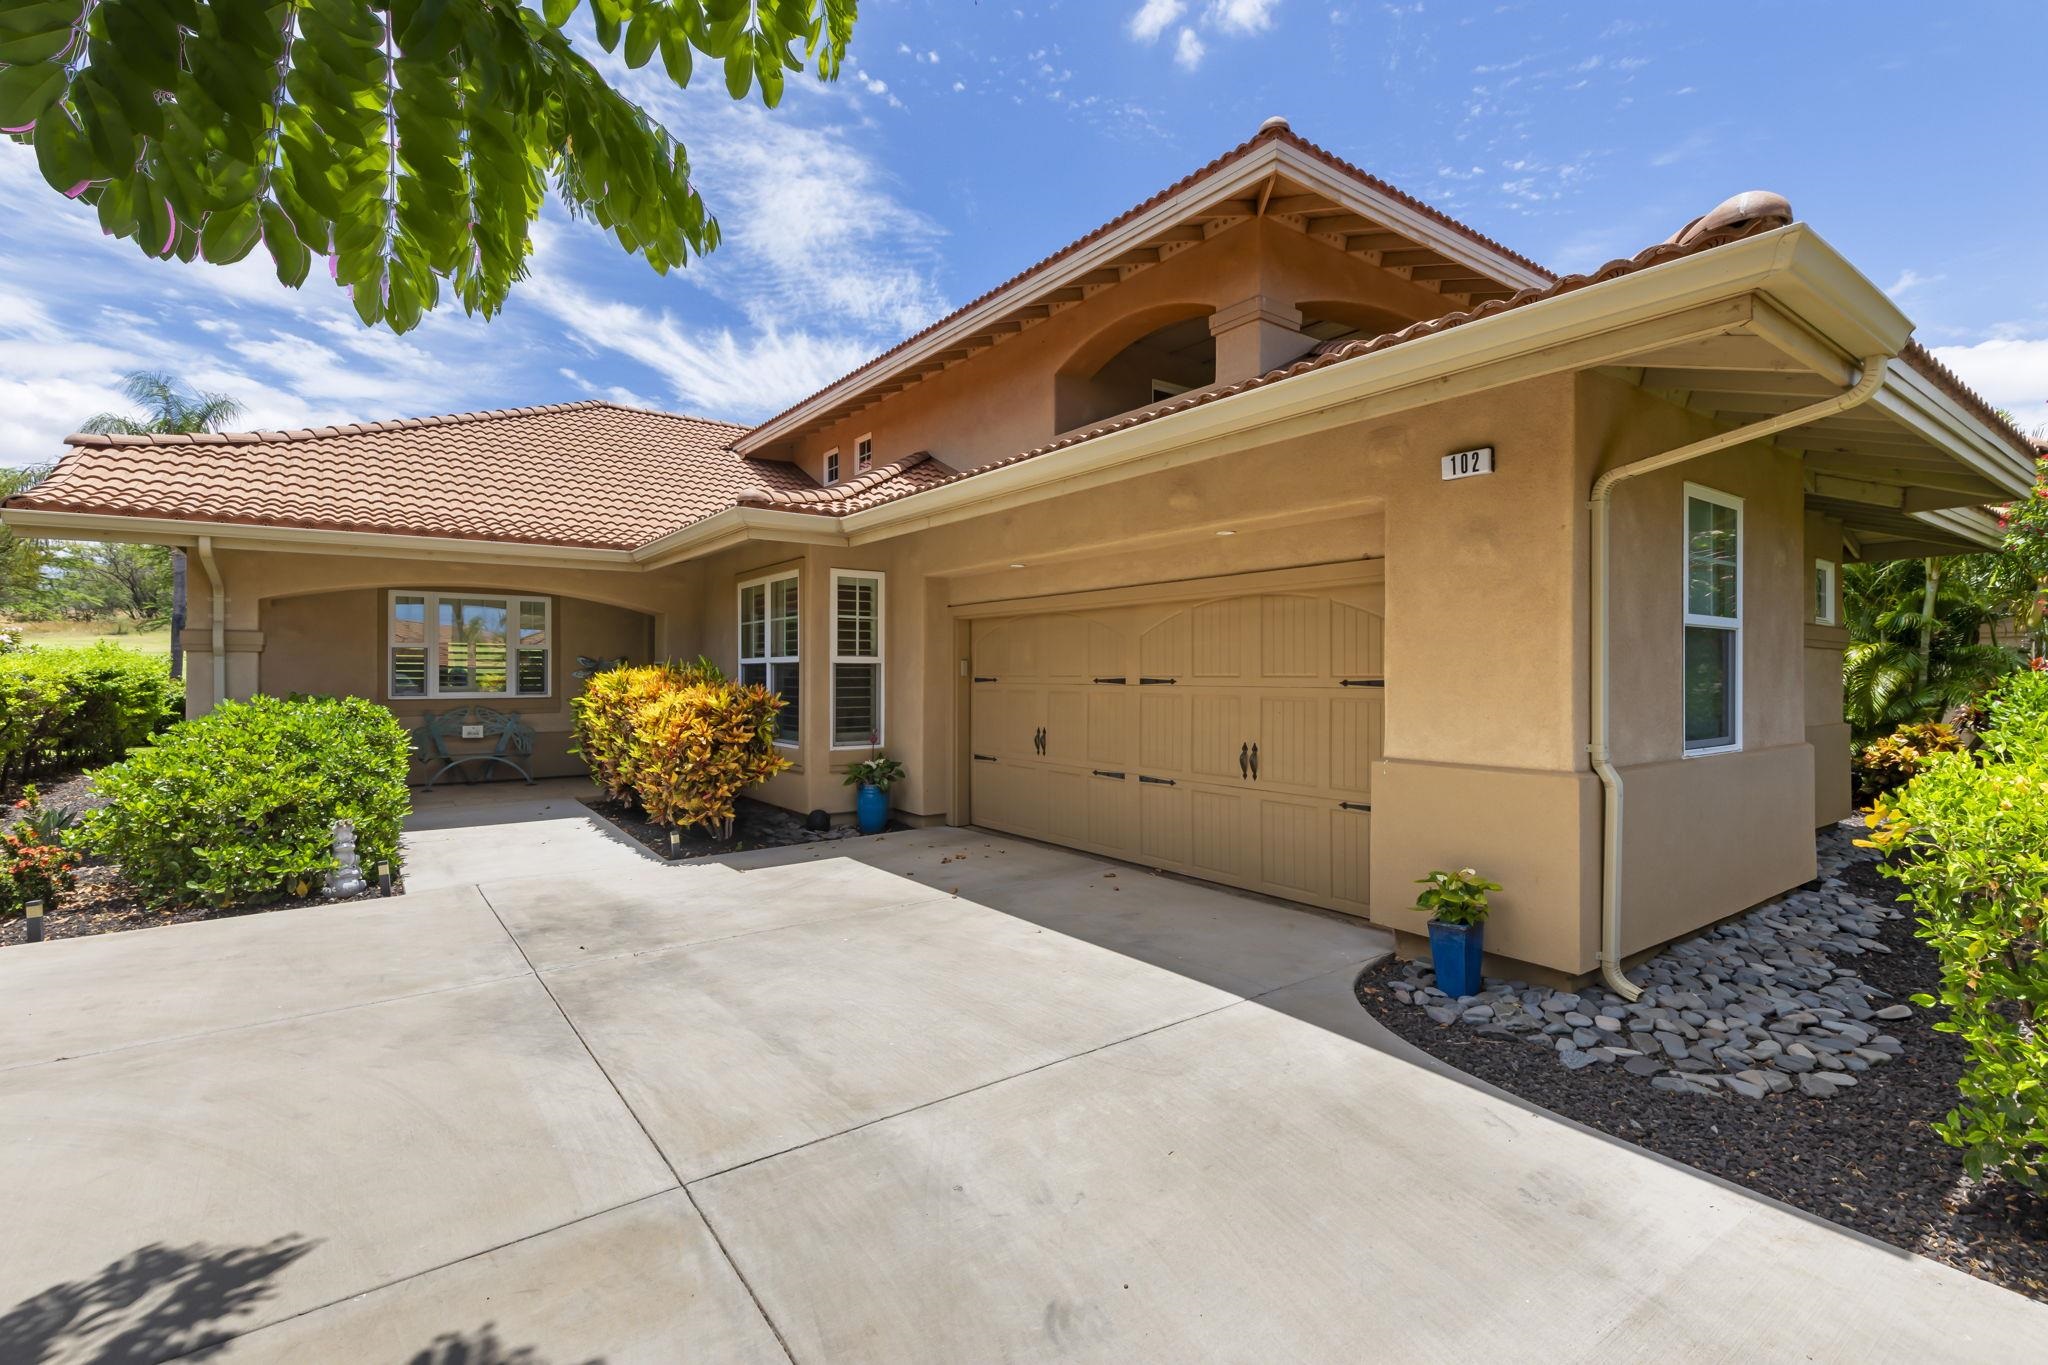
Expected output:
{"points": [[228, 535], [1970, 523], [735, 526], [1915, 402]]}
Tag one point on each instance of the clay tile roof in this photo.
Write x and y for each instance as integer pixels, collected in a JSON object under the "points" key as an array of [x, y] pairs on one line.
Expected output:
{"points": [[1945, 379], [1273, 130], [883, 483], [589, 474]]}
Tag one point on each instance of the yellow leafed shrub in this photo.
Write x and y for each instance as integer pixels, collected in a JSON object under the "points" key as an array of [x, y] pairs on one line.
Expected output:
{"points": [[682, 740]]}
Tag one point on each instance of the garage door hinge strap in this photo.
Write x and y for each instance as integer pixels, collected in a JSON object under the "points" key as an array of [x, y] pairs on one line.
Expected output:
{"points": [[1119, 682], [1102, 772], [988, 679], [1363, 682], [1158, 781], [1353, 805], [984, 758], [1157, 682]]}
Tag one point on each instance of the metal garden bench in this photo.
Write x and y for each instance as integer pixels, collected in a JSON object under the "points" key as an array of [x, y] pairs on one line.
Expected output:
{"points": [[514, 736]]}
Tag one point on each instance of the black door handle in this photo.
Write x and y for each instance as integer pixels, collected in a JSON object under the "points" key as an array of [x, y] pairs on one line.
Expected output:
{"points": [[1244, 766], [1038, 740], [1255, 762]]}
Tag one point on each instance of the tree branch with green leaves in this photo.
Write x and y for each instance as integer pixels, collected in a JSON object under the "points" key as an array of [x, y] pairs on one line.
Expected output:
{"points": [[408, 142]]}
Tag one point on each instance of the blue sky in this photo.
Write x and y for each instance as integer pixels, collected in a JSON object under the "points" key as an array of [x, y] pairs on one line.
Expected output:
{"points": [[966, 140]]}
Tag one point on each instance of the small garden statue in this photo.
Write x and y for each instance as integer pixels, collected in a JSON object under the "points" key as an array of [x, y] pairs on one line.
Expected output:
{"points": [[347, 877]]}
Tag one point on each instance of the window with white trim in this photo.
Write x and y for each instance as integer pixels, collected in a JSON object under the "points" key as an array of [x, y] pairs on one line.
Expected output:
{"points": [[1824, 592], [468, 645], [1713, 621], [863, 454], [831, 466], [768, 645], [856, 659]]}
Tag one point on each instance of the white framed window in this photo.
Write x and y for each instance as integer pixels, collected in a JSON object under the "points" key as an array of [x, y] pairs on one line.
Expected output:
{"points": [[1824, 592], [1713, 621], [863, 454], [1163, 389], [856, 659], [831, 466], [467, 644], [769, 636]]}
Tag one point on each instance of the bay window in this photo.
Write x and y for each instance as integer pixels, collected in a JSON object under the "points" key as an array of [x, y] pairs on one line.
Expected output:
{"points": [[1713, 621], [467, 645], [769, 637], [856, 659]]}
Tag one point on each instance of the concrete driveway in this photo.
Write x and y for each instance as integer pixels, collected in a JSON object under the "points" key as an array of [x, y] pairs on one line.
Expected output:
{"points": [[939, 1096]]}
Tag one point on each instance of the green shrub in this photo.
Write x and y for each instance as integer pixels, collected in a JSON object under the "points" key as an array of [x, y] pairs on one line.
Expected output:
{"points": [[239, 804], [1455, 897], [682, 740], [1889, 762], [1969, 838], [74, 708]]}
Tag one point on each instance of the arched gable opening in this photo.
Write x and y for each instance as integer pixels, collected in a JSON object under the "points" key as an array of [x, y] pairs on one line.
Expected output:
{"points": [[1137, 360]]}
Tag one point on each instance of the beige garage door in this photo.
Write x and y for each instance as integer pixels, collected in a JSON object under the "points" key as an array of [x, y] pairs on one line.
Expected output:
{"points": [[1231, 738]]}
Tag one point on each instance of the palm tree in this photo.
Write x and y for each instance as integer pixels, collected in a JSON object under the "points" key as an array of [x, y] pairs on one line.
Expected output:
{"points": [[1916, 631], [168, 408]]}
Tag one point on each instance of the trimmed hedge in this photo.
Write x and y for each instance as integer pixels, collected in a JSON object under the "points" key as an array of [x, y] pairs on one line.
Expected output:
{"points": [[1969, 838], [239, 805], [682, 740], [74, 708]]}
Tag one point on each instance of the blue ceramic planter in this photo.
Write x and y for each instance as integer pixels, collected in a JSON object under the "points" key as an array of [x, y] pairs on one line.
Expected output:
{"points": [[871, 809], [1455, 950]]}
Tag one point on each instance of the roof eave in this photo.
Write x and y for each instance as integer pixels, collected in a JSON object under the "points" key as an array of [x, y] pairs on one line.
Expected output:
{"points": [[1241, 177]]}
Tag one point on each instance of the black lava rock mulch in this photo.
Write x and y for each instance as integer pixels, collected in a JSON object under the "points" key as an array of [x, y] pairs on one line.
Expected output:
{"points": [[1864, 1158], [755, 825]]}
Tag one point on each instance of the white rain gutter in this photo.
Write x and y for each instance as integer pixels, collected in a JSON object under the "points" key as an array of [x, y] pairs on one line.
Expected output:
{"points": [[1870, 377], [220, 621]]}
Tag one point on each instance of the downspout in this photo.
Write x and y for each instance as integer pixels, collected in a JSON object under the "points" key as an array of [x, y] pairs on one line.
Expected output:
{"points": [[220, 621], [1870, 377]]}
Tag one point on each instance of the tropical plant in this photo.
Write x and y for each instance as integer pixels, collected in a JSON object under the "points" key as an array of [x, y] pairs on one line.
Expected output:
{"points": [[1456, 897], [1891, 761], [682, 740], [72, 708], [409, 142], [21, 559], [168, 407], [1969, 839], [2025, 524], [878, 772], [1905, 663], [239, 805]]}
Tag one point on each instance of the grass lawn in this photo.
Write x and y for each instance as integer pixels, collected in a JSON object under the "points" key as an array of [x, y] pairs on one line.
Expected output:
{"points": [[77, 634]]}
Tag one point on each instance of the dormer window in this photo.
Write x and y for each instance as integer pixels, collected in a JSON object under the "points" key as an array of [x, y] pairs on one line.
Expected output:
{"points": [[863, 454], [831, 466]]}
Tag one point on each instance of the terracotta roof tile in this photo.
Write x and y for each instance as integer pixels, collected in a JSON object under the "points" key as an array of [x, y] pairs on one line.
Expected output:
{"points": [[883, 483], [590, 474], [1278, 132], [1945, 379]]}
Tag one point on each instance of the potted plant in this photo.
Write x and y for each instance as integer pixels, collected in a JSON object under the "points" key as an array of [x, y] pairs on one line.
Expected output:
{"points": [[1456, 903], [874, 777]]}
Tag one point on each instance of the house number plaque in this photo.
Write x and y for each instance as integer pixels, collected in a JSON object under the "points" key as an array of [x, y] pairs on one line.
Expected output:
{"points": [[1466, 463]]}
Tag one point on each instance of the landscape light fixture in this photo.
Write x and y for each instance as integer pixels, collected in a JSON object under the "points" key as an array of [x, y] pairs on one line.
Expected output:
{"points": [[34, 928], [384, 879]]}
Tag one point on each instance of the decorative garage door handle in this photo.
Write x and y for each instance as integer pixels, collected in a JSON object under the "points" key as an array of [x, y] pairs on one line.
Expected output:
{"points": [[1244, 763], [1255, 762], [1038, 740]]}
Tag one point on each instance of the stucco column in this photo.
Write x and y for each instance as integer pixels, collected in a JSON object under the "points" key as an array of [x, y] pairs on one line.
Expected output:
{"points": [[1255, 335]]}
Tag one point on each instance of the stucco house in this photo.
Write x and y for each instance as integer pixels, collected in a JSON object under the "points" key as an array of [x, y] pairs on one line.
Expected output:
{"points": [[1282, 532]]}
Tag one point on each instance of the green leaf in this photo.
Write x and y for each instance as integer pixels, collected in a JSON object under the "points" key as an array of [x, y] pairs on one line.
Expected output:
{"points": [[26, 91], [558, 11], [739, 72], [287, 252], [230, 234], [675, 55], [642, 35]]}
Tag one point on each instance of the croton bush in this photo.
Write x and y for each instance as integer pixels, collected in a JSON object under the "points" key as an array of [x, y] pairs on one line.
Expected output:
{"points": [[72, 708], [1889, 762], [680, 740], [1969, 838], [238, 806]]}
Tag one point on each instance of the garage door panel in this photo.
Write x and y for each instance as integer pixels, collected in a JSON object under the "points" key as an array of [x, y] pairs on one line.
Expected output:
{"points": [[1217, 733], [1294, 639], [1066, 726], [1162, 731], [1163, 645], [1294, 848], [1113, 812], [1010, 796], [1293, 740], [1351, 858], [1112, 727], [1066, 806], [1358, 646], [1219, 640], [1163, 824], [1221, 826], [1357, 742]]}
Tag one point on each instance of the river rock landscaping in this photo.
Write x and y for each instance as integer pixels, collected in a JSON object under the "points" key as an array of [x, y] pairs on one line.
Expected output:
{"points": [[1775, 1051]]}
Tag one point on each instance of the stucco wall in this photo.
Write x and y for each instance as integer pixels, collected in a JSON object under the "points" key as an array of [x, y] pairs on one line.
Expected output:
{"points": [[332, 643]]}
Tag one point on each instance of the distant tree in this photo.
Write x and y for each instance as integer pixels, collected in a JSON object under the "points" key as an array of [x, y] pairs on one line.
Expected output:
{"points": [[130, 578], [21, 560], [408, 142], [1906, 663]]}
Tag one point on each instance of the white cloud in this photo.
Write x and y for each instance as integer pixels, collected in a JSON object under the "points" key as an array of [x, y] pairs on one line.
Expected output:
{"points": [[1154, 17], [1189, 50], [1910, 279], [2010, 372], [1241, 16]]}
